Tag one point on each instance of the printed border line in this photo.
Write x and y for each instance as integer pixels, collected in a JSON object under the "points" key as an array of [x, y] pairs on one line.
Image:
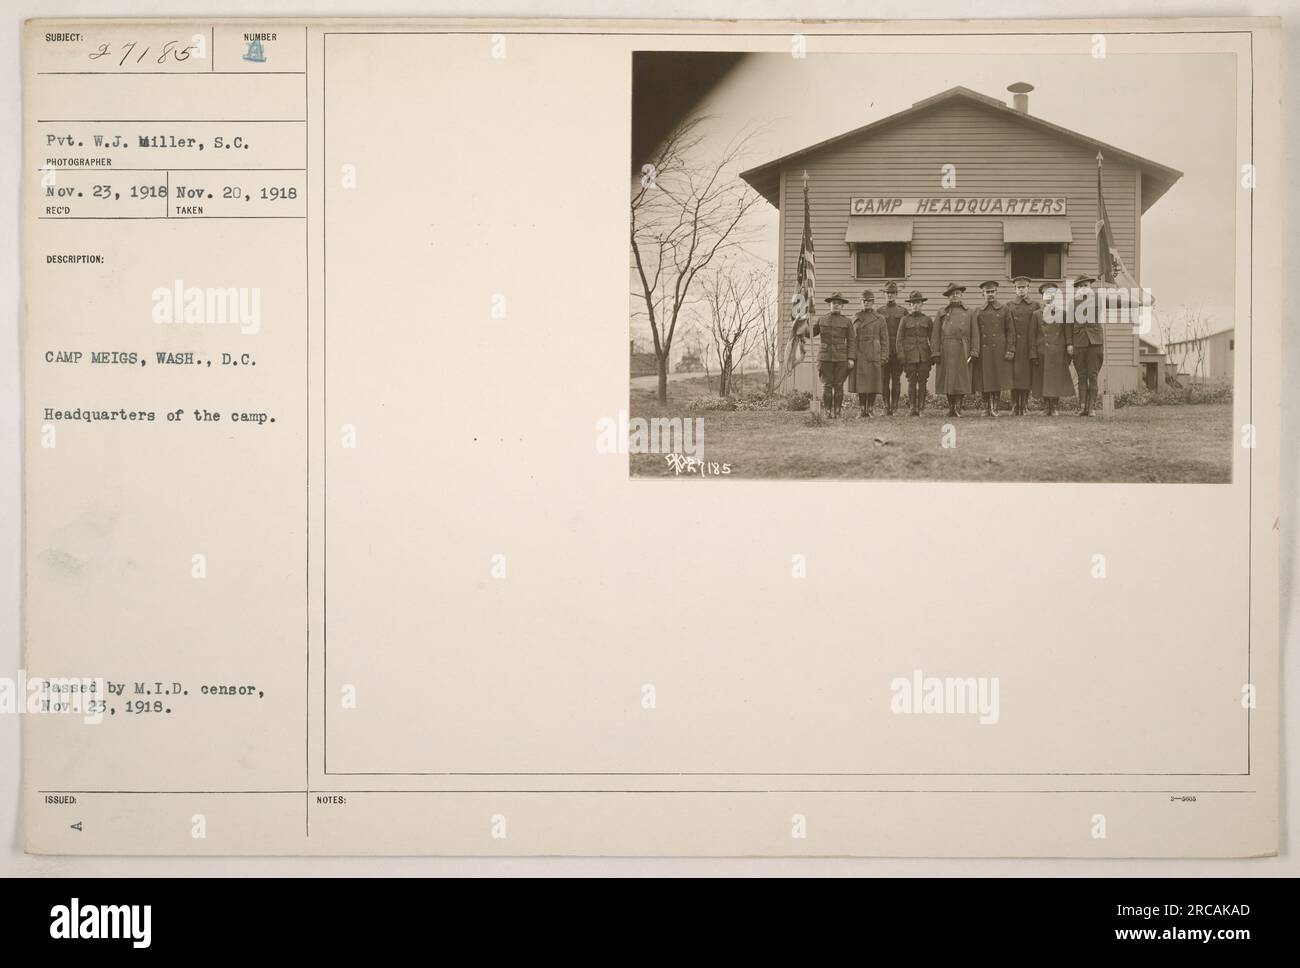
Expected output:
{"points": [[306, 456], [195, 793], [775, 33]]}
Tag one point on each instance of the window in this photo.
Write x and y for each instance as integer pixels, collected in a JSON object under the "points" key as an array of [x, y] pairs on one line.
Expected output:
{"points": [[1232, 344], [1036, 260], [880, 260]]}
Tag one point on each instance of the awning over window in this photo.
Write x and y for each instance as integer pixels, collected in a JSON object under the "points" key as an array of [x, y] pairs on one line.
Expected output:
{"points": [[879, 228], [1036, 229]]}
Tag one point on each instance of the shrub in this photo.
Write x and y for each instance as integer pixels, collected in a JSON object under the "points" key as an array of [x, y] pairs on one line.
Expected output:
{"points": [[1139, 396], [712, 403], [1174, 396], [798, 400], [1210, 393], [753, 400], [759, 400]]}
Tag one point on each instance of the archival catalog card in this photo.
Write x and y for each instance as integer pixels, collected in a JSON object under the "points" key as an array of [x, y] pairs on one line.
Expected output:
{"points": [[659, 438]]}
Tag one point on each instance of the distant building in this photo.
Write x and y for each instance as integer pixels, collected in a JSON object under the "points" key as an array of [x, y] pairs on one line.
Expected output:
{"points": [[643, 364], [690, 362], [1025, 204], [1155, 364], [1206, 358]]}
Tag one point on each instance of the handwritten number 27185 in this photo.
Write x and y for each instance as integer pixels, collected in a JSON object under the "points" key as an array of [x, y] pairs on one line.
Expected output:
{"points": [[171, 49]]}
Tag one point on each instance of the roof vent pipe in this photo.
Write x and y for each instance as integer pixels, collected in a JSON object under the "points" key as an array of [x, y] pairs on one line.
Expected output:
{"points": [[1020, 96]]}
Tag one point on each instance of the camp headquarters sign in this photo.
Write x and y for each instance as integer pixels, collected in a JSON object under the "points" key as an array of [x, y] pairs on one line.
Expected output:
{"points": [[948, 205]]}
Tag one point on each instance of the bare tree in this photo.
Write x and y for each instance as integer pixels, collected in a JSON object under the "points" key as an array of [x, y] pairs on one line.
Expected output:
{"points": [[1197, 328], [735, 302], [686, 212], [1163, 322], [1164, 326], [1185, 334], [769, 337]]}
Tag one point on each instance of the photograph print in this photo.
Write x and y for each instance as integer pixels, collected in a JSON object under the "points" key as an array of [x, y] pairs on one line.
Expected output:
{"points": [[933, 266]]}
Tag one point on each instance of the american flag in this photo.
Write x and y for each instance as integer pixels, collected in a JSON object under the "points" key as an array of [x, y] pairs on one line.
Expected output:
{"points": [[806, 280]]}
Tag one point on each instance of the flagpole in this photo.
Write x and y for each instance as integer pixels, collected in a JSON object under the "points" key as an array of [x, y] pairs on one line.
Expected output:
{"points": [[809, 291], [1104, 269]]}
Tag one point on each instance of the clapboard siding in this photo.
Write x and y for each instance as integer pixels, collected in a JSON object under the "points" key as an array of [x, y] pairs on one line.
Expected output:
{"points": [[994, 155]]}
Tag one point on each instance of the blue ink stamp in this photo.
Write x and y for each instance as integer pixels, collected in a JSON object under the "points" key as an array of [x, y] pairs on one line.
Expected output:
{"points": [[254, 52]]}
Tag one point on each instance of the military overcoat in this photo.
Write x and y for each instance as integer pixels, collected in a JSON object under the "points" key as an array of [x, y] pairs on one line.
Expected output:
{"points": [[990, 373], [871, 349], [893, 314], [1052, 374], [1020, 370], [955, 342]]}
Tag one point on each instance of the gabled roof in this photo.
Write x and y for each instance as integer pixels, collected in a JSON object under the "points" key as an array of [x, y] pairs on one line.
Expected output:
{"points": [[1193, 339], [1156, 178]]}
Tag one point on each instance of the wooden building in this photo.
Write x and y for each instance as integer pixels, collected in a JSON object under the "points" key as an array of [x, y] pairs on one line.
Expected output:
{"points": [[1155, 365], [1205, 359], [1020, 199]]}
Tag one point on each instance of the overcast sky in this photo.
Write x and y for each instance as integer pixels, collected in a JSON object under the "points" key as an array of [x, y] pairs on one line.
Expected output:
{"points": [[1175, 109]]}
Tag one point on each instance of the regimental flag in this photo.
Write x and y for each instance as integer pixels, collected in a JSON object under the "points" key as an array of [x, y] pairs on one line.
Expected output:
{"points": [[1110, 266], [807, 276], [806, 280]]}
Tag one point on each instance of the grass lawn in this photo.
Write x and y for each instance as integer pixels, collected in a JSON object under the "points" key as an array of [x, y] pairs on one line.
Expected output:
{"points": [[1191, 443]]}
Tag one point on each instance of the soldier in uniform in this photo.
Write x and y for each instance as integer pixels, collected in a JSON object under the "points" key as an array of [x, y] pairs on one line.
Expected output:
{"points": [[915, 349], [1023, 352], [956, 345], [1084, 342], [835, 353], [870, 349], [892, 368], [993, 326], [1052, 363]]}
